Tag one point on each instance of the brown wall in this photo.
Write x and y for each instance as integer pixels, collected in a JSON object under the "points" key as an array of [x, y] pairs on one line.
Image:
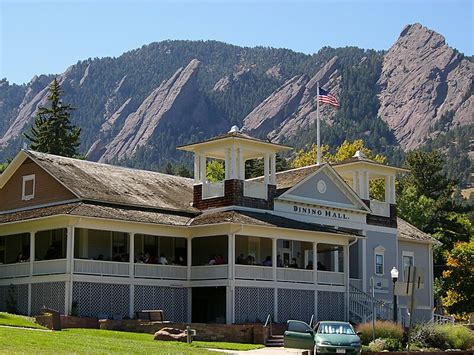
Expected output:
{"points": [[47, 189]]}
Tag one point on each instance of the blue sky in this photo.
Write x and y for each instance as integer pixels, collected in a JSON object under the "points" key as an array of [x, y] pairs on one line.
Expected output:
{"points": [[47, 36]]}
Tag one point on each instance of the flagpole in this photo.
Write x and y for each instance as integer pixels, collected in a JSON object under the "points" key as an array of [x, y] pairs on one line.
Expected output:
{"points": [[318, 162]]}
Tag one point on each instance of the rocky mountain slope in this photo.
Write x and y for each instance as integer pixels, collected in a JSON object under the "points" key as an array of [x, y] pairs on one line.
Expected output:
{"points": [[136, 108]]}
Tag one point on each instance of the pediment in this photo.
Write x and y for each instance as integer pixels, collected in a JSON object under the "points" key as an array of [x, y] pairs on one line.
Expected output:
{"points": [[326, 188]]}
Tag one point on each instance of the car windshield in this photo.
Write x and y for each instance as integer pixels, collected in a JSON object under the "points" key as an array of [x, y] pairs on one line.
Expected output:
{"points": [[335, 328]]}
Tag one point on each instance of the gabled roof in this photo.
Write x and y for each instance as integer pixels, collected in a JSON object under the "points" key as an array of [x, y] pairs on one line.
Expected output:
{"points": [[93, 181], [409, 232], [289, 178]]}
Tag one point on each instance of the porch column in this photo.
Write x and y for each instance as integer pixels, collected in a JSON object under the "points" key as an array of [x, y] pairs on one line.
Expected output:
{"points": [[272, 169], [231, 253], [202, 169], [266, 168], [346, 279], [189, 256], [274, 276], [131, 255], [388, 193], [32, 260], [196, 168], [315, 280], [69, 269]]}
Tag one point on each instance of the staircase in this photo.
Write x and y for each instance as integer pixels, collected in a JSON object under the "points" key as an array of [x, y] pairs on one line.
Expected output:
{"points": [[363, 307], [274, 341]]}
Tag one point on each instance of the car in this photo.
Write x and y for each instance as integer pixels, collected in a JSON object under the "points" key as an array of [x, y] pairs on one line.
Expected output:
{"points": [[327, 337]]}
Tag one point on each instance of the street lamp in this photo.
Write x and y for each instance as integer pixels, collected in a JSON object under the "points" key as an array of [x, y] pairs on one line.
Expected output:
{"points": [[394, 274]]}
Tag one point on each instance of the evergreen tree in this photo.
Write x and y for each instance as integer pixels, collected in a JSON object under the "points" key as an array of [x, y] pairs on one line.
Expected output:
{"points": [[53, 132]]}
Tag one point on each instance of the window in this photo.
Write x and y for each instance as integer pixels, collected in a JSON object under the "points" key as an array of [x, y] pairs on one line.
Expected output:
{"points": [[379, 260], [407, 260], [28, 187]]}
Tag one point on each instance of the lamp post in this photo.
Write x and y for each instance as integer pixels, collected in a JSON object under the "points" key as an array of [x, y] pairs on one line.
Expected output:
{"points": [[394, 274]]}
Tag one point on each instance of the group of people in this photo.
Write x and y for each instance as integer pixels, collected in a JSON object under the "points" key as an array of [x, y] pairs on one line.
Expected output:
{"points": [[250, 260], [216, 260], [147, 258]]}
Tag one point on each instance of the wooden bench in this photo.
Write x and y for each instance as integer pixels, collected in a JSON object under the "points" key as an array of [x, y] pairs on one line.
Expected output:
{"points": [[152, 315]]}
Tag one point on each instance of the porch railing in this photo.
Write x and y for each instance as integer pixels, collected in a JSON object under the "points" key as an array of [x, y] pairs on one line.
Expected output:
{"points": [[99, 267], [209, 272], [330, 278], [161, 271], [253, 272], [295, 275], [14, 270], [46, 267]]}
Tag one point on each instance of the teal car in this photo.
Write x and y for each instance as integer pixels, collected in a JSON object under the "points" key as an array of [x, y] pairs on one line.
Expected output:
{"points": [[325, 338]]}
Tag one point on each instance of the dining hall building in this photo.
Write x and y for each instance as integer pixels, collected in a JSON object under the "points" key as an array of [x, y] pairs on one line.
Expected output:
{"points": [[102, 240]]}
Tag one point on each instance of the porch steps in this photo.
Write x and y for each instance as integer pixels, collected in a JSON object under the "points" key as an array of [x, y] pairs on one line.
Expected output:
{"points": [[275, 341]]}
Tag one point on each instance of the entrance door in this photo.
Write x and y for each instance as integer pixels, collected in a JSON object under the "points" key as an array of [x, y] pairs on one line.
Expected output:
{"points": [[209, 305]]}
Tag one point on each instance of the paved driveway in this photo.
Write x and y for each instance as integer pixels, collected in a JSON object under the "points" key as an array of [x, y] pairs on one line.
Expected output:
{"points": [[268, 351]]}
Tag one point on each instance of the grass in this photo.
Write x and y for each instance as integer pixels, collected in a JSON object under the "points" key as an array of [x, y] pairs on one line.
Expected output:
{"points": [[18, 321], [94, 341]]}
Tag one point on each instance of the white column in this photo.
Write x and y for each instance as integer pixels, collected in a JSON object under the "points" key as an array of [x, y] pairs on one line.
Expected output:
{"points": [[227, 164], [29, 298], [365, 191], [392, 190], [202, 169], [346, 278], [69, 249], [355, 185], [364, 262], [131, 253], [84, 243], [196, 168], [32, 251], [360, 176], [231, 255], [272, 169], [131, 305], [189, 254], [388, 191], [266, 168], [229, 304], [241, 166], [274, 259], [233, 163], [315, 263]]}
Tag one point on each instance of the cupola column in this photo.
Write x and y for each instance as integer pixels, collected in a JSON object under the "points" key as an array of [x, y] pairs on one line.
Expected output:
{"points": [[196, 169], [272, 169], [266, 168], [202, 169], [233, 159], [241, 171], [227, 163]]}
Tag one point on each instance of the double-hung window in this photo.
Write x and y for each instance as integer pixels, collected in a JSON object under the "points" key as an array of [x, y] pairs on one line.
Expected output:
{"points": [[379, 256]]}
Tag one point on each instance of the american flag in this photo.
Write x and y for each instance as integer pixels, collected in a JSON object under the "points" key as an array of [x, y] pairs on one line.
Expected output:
{"points": [[326, 98]]}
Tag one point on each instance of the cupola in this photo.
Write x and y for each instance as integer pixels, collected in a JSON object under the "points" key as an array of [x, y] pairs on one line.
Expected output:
{"points": [[234, 148]]}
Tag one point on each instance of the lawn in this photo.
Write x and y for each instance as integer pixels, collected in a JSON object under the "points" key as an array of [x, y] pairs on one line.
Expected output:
{"points": [[18, 321], [95, 341]]}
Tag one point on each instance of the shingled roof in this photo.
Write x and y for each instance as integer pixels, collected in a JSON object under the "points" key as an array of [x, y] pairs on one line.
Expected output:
{"points": [[118, 185], [409, 232], [289, 178]]}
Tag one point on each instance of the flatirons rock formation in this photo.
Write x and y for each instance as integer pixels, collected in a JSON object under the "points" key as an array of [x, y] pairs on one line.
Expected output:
{"points": [[422, 79], [167, 102], [293, 105]]}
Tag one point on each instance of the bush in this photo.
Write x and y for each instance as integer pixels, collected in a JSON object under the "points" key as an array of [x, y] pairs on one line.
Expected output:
{"points": [[392, 344], [383, 329], [442, 336]]}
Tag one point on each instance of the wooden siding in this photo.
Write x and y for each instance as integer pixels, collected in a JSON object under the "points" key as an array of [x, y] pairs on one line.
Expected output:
{"points": [[47, 189]]}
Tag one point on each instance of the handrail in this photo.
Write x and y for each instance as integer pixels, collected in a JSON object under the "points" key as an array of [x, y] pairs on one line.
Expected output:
{"points": [[439, 318], [268, 322]]}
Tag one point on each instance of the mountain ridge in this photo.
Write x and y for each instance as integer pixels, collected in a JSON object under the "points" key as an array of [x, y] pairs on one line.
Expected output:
{"points": [[270, 92]]}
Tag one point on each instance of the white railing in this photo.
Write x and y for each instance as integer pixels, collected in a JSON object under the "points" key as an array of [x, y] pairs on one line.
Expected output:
{"points": [[380, 208], [46, 267], [209, 272], [99, 267], [330, 278], [295, 275], [253, 272], [161, 271], [212, 189], [255, 189], [440, 319], [14, 270], [357, 283]]}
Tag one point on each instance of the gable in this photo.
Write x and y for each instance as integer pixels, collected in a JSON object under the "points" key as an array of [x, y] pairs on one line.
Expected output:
{"points": [[46, 189], [325, 188]]}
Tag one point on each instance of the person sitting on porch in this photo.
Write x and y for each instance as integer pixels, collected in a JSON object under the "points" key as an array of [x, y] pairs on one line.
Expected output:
{"points": [[309, 266], [267, 261], [51, 253], [179, 261], [212, 260], [163, 260], [220, 260], [279, 261], [294, 264], [20, 258], [321, 266], [250, 260], [241, 259]]}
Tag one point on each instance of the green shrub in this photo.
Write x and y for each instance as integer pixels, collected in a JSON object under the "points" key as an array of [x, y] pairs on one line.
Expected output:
{"points": [[392, 344], [442, 336], [458, 336], [383, 329]]}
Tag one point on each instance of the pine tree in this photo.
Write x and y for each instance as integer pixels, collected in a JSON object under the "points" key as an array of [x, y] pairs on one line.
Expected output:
{"points": [[52, 132]]}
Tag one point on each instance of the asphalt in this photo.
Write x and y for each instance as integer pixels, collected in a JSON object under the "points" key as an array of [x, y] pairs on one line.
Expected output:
{"points": [[267, 351]]}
